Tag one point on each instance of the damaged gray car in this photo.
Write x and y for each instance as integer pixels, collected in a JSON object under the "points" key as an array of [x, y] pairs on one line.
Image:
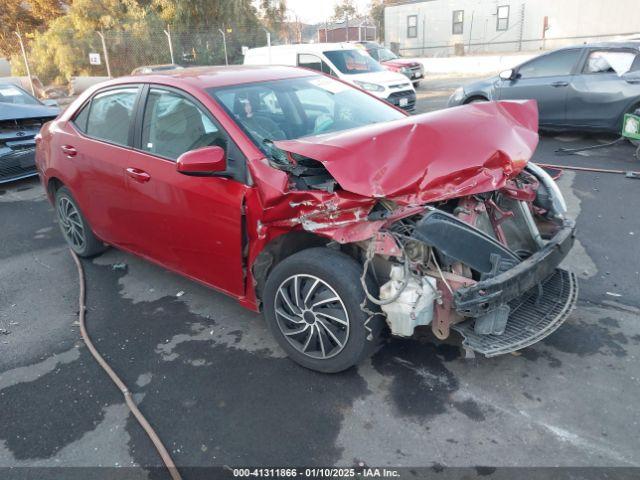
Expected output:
{"points": [[21, 117]]}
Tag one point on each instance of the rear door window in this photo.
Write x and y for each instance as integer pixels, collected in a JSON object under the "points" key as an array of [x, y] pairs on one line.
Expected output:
{"points": [[610, 61], [552, 65], [110, 115]]}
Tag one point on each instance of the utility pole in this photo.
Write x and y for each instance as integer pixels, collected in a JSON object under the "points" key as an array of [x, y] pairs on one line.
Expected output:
{"points": [[167, 32], [224, 42], [105, 53], [26, 62]]}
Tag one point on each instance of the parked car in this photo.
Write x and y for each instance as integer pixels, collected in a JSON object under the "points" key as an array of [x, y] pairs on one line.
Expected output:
{"points": [[155, 68], [21, 116], [334, 213], [413, 70], [344, 61], [587, 87]]}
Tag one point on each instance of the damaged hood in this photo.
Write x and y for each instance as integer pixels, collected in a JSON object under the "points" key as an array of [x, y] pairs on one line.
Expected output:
{"points": [[430, 157], [11, 111]]}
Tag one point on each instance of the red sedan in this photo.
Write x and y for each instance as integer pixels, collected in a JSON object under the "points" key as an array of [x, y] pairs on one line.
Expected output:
{"points": [[334, 213]]}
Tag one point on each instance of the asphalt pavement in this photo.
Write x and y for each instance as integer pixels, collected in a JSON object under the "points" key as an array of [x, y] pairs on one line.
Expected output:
{"points": [[219, 390]]}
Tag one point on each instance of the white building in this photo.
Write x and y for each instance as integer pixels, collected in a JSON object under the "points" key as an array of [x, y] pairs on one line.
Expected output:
{"points": [[447, 27]]}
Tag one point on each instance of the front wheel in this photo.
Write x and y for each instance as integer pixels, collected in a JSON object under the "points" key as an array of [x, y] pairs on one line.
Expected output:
{"points": [[312, 304]]}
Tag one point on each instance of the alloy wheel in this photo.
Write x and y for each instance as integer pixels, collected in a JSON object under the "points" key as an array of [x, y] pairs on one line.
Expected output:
{"points": [[311, 316], [71, 223]]}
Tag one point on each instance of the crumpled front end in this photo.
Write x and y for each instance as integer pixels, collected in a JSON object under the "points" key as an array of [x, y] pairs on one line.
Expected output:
{"points": [[443, 211], [485, 266]]}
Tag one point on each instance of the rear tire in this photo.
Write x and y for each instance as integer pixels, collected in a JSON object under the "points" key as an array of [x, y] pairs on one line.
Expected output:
{"points": [[75, 228], [312, 306]]}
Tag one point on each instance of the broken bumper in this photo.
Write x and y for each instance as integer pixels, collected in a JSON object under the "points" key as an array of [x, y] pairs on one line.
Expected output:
{"points": [[533, 316], [487, 295]]}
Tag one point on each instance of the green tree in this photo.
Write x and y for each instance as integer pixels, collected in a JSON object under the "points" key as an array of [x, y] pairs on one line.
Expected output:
{"points": [[344, 9], [274, 17], [62, 50], [26, 16], [376, 12]]}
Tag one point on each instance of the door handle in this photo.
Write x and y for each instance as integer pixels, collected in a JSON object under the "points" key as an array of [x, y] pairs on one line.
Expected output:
{"points": [[69, 150], [560, 84], [138, 175]]}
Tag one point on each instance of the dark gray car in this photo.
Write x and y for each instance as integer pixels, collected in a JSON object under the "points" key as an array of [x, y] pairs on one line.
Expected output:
{"points": [[586, 87], [21, 117]]}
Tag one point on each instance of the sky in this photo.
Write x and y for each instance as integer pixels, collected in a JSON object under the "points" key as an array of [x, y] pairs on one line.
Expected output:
{"points": [[315, 11]]}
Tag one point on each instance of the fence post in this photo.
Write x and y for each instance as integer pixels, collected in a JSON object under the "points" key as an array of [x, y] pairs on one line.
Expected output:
{"points": [[26, 62], [268, 44], [224, 42], [105, 53], [470, 32], [167, 32]]}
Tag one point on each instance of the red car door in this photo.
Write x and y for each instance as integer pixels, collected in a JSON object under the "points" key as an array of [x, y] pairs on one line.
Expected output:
{"points": [[189, 224], [98, 151]]}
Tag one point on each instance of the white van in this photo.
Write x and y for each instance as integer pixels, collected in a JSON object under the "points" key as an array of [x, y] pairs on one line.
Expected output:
{"points": [[344, 61]]}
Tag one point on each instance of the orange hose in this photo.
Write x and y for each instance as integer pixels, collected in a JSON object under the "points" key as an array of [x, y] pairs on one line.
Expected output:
{"points": [[153, 436]]}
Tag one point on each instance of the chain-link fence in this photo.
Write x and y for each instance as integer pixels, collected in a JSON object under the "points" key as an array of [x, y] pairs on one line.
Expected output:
{"points": [[57, 57]]}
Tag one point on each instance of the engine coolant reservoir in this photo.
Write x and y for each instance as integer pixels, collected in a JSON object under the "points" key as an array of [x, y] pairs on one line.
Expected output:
{"points": [[414, 306]]}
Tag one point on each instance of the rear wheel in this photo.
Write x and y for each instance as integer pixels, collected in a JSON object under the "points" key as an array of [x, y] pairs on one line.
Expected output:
{"points": [[75, 229], [312, 303]]}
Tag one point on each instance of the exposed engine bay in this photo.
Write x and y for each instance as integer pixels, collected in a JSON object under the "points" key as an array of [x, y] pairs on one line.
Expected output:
{"points": [[468, 263]]}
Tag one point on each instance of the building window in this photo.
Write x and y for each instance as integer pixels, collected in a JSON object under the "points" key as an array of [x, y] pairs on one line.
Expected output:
{"points": [[503, 18], [458, 22], [412, 26]]}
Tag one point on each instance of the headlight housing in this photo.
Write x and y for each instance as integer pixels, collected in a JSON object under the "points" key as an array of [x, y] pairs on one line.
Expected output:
{"points": [[458, 94], [371, 87], [405, 71], [558, 206]]}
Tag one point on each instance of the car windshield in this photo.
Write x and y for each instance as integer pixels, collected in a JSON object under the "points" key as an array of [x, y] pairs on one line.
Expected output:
{"points": [[384, 55], [12, 94], [299, 107], [353, 62]]}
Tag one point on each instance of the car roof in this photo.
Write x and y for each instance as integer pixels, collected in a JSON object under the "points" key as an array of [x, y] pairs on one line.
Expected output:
{"points": [[211, 77], [635, 44]]}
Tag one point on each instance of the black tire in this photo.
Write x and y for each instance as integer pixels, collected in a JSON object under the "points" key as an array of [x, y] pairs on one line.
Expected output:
{"points": [[341, 274], [416, 84], [74, 226]]}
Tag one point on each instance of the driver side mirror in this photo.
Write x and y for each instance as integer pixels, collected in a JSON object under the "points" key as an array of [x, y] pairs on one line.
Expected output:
{"points": [[508, 74], [202, 162]]}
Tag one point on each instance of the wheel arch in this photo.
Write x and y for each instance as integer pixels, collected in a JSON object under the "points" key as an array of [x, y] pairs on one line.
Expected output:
{"points": [[475, 96], [277, 250], [53, 185]]}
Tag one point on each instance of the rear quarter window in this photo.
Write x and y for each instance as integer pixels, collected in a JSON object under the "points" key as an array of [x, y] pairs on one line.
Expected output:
{"points": [[80, 119]]}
